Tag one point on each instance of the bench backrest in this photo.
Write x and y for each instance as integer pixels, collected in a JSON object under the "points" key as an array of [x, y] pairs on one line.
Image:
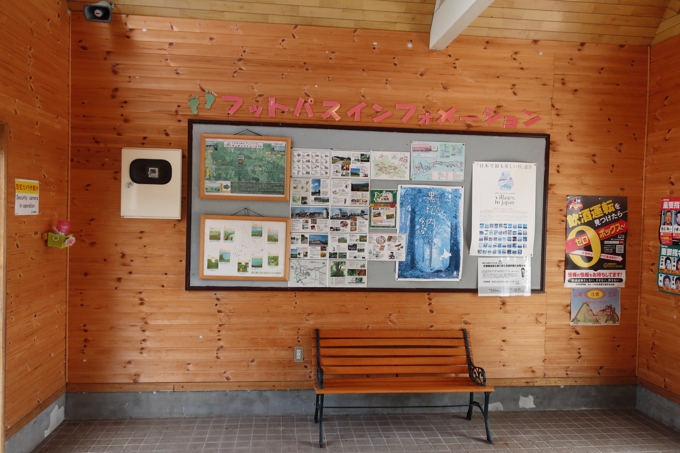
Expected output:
{"points": [[391, 353]]}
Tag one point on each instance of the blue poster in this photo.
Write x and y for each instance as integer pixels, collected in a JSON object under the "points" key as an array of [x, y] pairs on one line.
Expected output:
{"points": [[431, 217]]}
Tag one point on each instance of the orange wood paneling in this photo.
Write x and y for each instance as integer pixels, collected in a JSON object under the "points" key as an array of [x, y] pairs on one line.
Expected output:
{"points": [[659, 331], [130, 320], [34, 103]]}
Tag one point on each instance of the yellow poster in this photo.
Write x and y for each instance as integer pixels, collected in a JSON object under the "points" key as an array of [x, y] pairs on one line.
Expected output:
{"points": [[26, 197]]}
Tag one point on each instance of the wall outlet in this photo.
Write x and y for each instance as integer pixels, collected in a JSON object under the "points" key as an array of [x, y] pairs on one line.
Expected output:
{"points": [[298, 354]]}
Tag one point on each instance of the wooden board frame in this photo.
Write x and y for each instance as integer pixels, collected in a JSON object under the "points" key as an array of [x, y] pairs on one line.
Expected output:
{"points": [[285, 197], [284, 223], [320, 132]]}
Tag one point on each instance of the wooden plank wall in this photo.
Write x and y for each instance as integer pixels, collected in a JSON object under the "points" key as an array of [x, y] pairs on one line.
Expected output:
{"points": [[633, 22], [130, 320], [659, 364], [670, 23], [34, 103]]}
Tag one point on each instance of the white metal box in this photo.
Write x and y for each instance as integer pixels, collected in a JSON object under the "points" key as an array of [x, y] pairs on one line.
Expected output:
{"points": [[151, 183]]}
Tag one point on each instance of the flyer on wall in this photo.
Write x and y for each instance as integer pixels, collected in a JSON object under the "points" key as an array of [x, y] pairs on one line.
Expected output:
{"points": [[669, 226], [386, 247], [504, 276], [383, 208], [437, 161], [431, 220], [595, 245], [347, 273], [595, 307], [503, 208], [305, 191], [311, 162], [350, 164], [668, 274], [308, 273]]}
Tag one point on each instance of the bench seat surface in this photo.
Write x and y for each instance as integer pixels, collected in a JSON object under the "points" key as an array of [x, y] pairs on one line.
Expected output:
{"points": [[434, 384]]}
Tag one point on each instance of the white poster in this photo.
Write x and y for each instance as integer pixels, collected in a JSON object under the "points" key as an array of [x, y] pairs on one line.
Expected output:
{"points": [[386, 247], [26, 197], [311, 162], [504, 276], [305, 191], [503, 208]]}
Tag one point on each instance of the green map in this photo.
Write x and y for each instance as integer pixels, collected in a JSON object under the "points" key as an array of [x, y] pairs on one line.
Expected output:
{"points": [[248, 167]]}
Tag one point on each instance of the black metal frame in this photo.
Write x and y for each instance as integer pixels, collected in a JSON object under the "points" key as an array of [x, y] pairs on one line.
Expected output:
{"points": [[477, 374]]}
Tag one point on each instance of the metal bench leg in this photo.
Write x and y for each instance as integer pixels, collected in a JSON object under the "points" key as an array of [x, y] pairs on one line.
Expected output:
{"points": [[472, 400], [316, 409], [321, 422], [486, 417]]}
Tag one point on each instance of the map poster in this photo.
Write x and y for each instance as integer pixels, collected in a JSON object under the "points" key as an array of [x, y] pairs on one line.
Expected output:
{"points": [[595, 246], [668, 273], [348, 273], [349, 220], [669, 226], [245, 168], [383, 204], [431, 219], [437, 161], [304, 219], [244, 248], [308, 273], [350, 164], [386, 247], [308, 245], [308, 163], [504, 276], [347, 246], [305, 191], [595, 307], [390, 165], [503, 208]]}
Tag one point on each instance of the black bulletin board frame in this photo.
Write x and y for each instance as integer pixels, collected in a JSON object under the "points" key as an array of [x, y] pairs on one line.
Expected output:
{"points": [[307, 136]]}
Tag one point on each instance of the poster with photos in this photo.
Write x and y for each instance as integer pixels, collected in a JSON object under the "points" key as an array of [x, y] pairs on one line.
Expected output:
{"points": [[244, 248], [309, 163], [309, 191], [668, 273], [350, 164], [669, 225]]}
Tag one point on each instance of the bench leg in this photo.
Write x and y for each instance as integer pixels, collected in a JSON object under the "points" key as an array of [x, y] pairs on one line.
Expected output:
{"points": [[486, 417], [472, 400], [320, 406], [316, 409]]}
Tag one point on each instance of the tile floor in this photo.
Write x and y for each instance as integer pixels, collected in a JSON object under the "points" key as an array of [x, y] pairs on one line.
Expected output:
{"points": [[582, 431]]}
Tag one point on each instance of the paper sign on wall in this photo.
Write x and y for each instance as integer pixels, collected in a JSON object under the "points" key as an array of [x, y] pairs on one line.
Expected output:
{"points": [[27, 197]]}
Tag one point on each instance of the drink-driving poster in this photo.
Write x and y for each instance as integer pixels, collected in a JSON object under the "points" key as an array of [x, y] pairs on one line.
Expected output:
{"points": [[596, 242]]}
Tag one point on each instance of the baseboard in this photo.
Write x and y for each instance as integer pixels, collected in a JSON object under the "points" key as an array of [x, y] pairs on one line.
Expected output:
{"points": [[34, 431], [659, 404], [171, 404]]}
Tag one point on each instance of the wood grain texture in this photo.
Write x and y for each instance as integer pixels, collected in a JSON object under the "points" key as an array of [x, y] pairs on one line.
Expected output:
{"points": [[659, 329], [132, 323], [633, 22], [34, 103], [670, 23]]}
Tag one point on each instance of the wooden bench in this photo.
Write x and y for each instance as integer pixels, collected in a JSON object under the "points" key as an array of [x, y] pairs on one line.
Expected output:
{"points": [[392, 361]]}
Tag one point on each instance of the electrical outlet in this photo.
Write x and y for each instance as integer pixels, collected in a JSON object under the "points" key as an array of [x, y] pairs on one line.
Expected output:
{"points": [[298, 354]]}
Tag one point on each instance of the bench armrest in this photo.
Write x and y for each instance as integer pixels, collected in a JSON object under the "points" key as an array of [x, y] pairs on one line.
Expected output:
{"points": [[477, 374], [319, 370]]}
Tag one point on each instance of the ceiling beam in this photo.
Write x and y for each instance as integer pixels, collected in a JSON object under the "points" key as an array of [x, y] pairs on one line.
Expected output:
{"points": [[451, 17]]}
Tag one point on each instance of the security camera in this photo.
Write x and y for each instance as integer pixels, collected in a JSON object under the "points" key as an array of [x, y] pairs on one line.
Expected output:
{"points": [[98, 12]]}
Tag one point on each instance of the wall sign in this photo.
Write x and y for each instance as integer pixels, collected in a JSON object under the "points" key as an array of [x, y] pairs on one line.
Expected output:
{"points": [[27, 197], [596, 241]]}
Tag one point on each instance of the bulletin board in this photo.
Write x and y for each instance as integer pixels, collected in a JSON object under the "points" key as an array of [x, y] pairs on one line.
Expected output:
{"points": [[479, 147]]}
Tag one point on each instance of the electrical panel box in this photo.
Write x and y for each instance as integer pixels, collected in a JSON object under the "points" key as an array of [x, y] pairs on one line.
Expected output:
{"points": [[151, 183]]}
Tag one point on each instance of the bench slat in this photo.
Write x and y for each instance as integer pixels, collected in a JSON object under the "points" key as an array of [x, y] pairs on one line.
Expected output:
{"points": [[420, 360], [377, 352], [401, 385], [367, 342], [395, 369], [388, 334]]}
